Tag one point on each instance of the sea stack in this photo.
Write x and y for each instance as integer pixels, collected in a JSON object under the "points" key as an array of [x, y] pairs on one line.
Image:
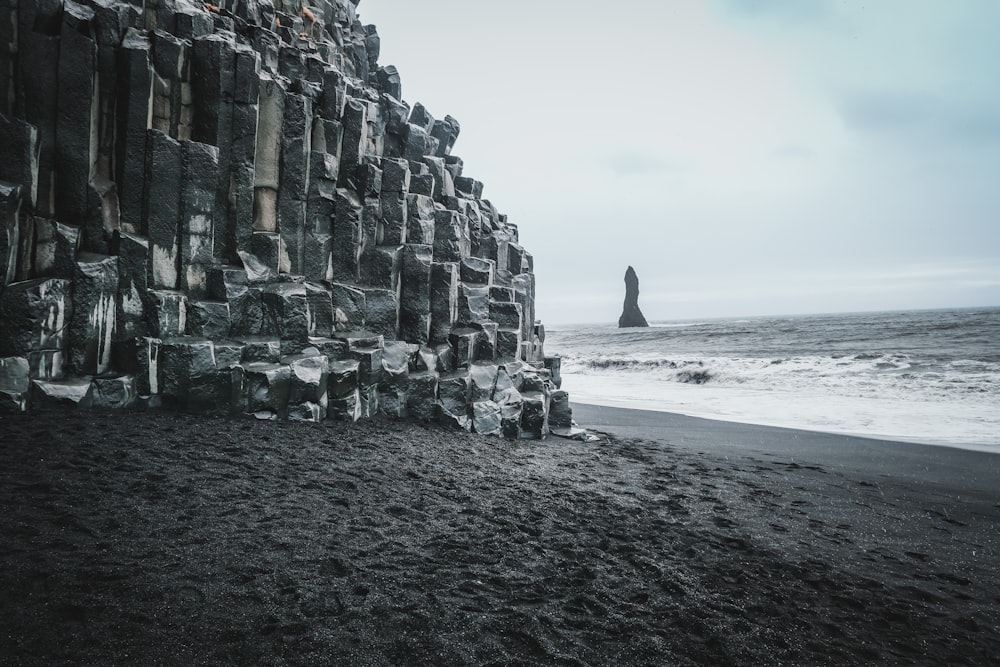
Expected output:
{"points": [[631, 315]]}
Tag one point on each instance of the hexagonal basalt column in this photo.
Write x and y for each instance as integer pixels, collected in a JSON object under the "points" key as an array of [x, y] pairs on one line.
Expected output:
{"points": [[343, 390], [454, 392], [307, 393], [189, 377], [15, 384], [262, 389], [95, 284], [422, 394], [286, 311], [34, 315]]}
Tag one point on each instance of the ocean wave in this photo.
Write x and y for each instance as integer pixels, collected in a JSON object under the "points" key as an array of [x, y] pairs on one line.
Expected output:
{"points": [[921, 370], [873, 374], [675, 325], [633, 364], [696, 377], [687, 372]]}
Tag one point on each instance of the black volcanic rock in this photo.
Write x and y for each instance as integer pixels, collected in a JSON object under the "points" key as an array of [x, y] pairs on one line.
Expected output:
{"points": [[174, 178], [631, 315]]}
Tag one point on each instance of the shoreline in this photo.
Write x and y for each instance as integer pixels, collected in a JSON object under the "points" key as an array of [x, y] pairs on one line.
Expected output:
{"points": [[991, 448], [927, 377], [953, 466]]}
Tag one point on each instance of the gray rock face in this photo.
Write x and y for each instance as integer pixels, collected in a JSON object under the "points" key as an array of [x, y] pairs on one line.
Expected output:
{"points": [[15, 382], [486, 418], [261, 387], [35, 315], [93, 323], [631, 315], [307, 396], [114, 393], [226, 209]]}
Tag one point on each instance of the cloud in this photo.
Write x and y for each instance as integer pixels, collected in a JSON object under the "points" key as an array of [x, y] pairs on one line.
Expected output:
{"points": [[879, 111], [788, 11], [794, 152], [633, 162], [978, 125], [924, 113]]}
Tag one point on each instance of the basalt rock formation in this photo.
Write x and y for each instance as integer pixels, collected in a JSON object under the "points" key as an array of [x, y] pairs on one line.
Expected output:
{"points": [[631, 315], [230, 207]]}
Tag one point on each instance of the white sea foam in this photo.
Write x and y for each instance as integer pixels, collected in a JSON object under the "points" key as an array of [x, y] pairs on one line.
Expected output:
{"points": [[972, 423], [925, 377]]}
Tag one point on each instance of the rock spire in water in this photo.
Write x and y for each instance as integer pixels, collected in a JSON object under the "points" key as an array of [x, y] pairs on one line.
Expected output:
{"points": [[631, 315]]}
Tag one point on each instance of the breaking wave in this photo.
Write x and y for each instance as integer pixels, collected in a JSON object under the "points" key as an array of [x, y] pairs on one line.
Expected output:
{"points": [[687, 372], [926, 376]]}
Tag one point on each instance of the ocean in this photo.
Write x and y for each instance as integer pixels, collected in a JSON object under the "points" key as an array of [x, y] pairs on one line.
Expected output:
{"points": [[928, 376]]}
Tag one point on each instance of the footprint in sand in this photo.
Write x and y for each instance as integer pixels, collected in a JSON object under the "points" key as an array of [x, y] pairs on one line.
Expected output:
{"points": [[190, 594], [953, 578], [943, 515]]}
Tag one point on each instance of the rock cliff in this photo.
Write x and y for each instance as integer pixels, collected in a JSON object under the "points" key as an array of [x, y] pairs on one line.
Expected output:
{"points": [[631, 315], [230, 207]]}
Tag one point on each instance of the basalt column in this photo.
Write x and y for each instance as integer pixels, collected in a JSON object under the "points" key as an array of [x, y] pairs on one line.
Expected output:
{"points": [[229, 206]]}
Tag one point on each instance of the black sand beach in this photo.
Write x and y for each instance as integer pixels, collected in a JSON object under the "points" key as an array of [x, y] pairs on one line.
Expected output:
{"points": [[160, 538]]}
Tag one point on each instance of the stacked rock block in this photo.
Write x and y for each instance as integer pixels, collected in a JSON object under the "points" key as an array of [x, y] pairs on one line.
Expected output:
{"points": [[230, 207]]}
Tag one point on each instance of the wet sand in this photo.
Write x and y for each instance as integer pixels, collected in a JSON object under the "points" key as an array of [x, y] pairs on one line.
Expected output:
{"points": [[160, 538]]}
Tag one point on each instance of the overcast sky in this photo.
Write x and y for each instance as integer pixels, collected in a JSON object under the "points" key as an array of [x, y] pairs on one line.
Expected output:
{"points": [[747, 157]]}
